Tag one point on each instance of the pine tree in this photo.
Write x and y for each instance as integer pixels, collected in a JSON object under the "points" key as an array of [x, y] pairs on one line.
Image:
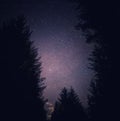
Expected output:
{"points": [[68, 107], [21, 82], [100, 24]]}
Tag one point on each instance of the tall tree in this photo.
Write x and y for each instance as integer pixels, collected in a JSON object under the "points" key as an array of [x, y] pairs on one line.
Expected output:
{"points": [[21, 82], [68, 107], [100, 22]]}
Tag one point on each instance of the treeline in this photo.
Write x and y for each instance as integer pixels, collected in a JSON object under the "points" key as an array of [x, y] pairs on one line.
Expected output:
{"points": [[21, 84]]}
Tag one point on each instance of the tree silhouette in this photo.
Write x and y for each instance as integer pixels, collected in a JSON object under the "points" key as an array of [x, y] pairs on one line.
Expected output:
{"points": [[21, 82], [68, 107], [100, 24]]}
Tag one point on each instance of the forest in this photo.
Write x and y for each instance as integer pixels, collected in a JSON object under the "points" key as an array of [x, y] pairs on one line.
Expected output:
{"points": [[21, 83]]}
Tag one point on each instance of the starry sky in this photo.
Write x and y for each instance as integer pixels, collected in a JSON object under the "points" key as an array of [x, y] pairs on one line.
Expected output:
{"points": [[62, 49]]}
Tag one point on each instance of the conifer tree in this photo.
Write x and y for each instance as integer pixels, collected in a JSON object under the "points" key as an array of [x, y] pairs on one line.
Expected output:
{"points": [[99, 20], [68, 107], [21, 82]]}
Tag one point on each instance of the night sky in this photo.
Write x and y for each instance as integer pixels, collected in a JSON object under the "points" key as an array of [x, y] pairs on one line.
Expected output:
{"points": [[62, 49]]}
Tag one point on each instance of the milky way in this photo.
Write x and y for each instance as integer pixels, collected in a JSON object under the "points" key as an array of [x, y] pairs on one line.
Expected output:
{"points": [[64, 63], [63, 50]]}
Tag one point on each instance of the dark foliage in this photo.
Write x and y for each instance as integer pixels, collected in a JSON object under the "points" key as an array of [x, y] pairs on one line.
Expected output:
{"points": [[21, 85], [68, 107], [100, 21]]}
